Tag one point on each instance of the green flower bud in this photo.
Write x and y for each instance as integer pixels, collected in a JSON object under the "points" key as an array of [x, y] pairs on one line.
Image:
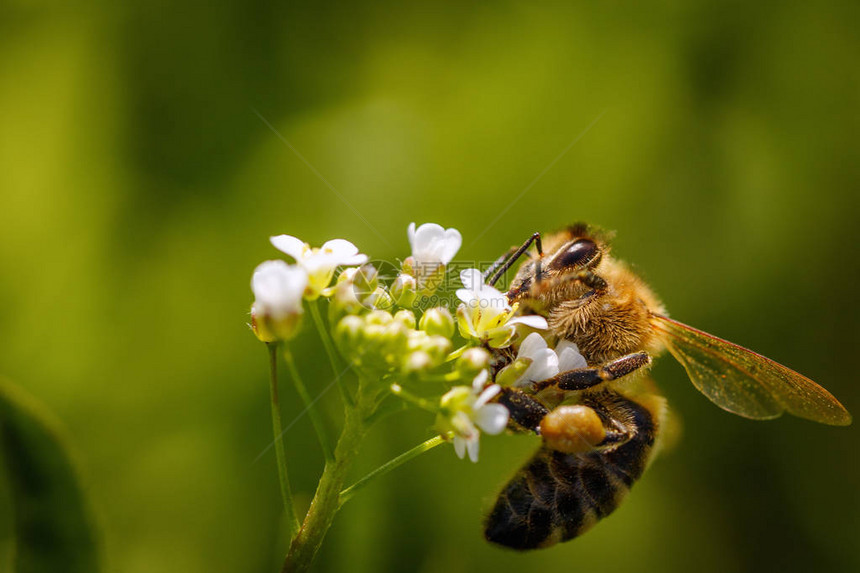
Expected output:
{"points": [[437, 321], [365, 280], [348, 332], [380, 299], [379, 317], [438, 347], [343, 299], [395, 337], [417, 340], [346, 275], [417, 361], [406, 317], [373, 336], [455, 400], [472, 361], [403, 290]]}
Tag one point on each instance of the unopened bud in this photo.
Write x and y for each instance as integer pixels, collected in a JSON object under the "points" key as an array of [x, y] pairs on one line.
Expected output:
{"points": [[348, 331], [417, 361], [403, 290], [365, 280], [438, 347], [437, 321], [405, 317], [346, 275], [343, 299], [379, 317], [380, 299], [394, 342], [473, 360], [455, 400]]}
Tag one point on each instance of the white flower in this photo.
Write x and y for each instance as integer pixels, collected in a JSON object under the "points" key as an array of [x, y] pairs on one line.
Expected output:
{"points": [[486, 315], [433, 247], [466, 412], [431, 243], [319, 262], [277, 309]]}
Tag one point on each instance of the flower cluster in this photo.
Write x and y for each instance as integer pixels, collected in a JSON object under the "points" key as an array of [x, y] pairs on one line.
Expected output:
{"points": [[279, 288], [379, 343], [395, 345]]}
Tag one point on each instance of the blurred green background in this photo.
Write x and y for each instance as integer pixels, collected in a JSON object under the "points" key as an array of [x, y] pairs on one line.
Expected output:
{"points": [[138, 187]]}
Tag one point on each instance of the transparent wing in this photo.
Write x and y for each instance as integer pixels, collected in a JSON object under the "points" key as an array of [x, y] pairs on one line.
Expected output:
{"points": [[746, 383]]}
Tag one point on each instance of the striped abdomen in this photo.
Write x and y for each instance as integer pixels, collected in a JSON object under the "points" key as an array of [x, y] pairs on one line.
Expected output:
{"points": [[558, 496]]}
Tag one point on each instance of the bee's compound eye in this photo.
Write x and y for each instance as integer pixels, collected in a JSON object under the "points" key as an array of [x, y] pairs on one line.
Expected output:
{"points": [[577, 254]]}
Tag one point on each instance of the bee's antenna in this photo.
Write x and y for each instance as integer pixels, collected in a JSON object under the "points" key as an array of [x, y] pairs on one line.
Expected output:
{"points": [[505, 262]]}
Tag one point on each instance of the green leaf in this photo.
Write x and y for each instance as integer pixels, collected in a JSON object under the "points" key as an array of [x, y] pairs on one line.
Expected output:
{"points": [[48, 517]]}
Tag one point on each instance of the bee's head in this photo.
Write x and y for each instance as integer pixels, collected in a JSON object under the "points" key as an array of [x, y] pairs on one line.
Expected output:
{"points": [[567, 253]]}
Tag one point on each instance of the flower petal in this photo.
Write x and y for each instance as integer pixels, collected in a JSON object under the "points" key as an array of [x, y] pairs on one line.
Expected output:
{"points": [[530, 320], [290, 245], [453, 242], [341, 248], [480, 380], [319, 263], [569, 357], [354, 260], [459, 446], [466, 295], [544, 365], [487, 395], [492, 418], [465, 322], [472, 279], [473, 446], [410, 232], [531, 345], [278, 287]]}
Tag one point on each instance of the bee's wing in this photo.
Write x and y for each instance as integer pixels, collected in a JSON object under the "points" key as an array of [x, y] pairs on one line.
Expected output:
{"points": [[746, 383]]}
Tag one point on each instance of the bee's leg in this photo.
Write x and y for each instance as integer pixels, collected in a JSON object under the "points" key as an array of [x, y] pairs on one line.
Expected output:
{"points": [[589, 279], [526, 410], [583, 378], [498, 268]]}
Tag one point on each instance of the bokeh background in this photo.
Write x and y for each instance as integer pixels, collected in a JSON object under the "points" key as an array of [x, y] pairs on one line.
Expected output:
{"points": [[140, 176]]}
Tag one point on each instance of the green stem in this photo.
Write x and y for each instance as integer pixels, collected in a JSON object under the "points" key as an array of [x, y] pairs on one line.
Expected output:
{"points": [[346, 494], [327, 497], [330, 351], [292, 521], [319, 426]]}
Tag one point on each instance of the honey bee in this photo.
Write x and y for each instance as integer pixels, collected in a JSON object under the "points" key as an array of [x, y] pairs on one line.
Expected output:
{"points": [[601, 425]]}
